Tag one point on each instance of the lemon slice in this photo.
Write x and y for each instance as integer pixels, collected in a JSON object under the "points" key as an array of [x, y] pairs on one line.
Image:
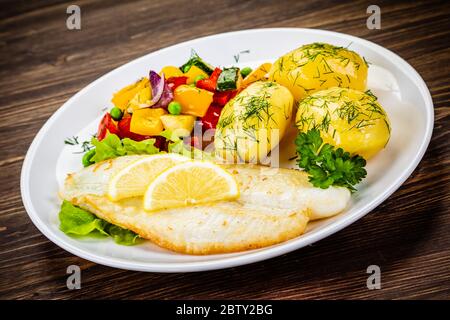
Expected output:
{"points": [[190, 183], [132, 181]]}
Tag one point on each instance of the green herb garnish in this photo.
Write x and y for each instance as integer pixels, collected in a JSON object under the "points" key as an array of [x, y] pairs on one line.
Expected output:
{"points": [[326, 165], [71, 141]]}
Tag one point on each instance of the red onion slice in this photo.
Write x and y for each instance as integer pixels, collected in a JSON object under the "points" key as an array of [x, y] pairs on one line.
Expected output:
{"points": [[166, 98], [157, 83]]}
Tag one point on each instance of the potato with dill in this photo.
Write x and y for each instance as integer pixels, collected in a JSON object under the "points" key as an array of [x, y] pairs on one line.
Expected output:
{"points": [[346, 118], [253, 123], [319, 66]]}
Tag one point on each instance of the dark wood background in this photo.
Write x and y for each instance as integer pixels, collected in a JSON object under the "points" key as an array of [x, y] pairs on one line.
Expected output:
{"points": [[42, 64]]}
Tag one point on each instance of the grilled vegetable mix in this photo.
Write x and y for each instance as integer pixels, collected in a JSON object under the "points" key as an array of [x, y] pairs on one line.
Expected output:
{"points": [[172, 99]]}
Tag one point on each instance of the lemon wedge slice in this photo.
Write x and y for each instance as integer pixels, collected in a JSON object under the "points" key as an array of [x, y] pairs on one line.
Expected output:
{"points": [[132, 181], [190, 183]]}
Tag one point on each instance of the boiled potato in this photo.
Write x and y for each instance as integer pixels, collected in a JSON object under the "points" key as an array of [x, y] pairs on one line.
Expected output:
{"points": [[319, 66], [253, 122], [347, 118]]}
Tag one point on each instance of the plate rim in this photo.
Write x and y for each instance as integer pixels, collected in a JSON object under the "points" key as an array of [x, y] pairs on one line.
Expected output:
{"points": [[251, 256]]}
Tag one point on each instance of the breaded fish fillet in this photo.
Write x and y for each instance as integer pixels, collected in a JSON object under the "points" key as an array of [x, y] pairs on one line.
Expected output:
{"points": [[216, 228], [287, 189], [275, 205]]}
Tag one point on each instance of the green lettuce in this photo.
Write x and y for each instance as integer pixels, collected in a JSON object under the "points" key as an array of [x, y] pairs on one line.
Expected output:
{"points": [[75, 221], [112, 147]]}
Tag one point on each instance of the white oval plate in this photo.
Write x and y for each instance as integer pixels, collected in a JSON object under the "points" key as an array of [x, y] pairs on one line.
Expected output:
{"points": [[399, 87]]}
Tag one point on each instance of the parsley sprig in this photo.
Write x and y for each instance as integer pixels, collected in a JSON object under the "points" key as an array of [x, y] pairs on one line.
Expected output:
{"points": [[326, 165]]}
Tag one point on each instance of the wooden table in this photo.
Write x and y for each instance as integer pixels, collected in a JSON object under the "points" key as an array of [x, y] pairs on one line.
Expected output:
{"points": [[42, 64]]}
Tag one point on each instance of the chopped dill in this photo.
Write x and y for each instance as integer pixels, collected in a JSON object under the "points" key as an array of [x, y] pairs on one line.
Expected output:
{"points": [[304, 121], [237, 56], [256, 107], [327, 66], [348, 111], [371, 95], [338, 80], [85, 147], [306, 89], [317, 76], [326, 121], [366, 62], [225, 121], [388, 126], [71, 141]]}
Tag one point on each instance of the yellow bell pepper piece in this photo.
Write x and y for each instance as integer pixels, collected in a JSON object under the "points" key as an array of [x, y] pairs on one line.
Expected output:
{"points": [[194, 101], [180, 125], [193, 73], [171, 71], [141, 99], [147, 121], [122, 97], [257, 74]]}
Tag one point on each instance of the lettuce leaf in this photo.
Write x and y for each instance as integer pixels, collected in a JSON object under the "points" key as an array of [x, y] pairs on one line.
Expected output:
{"points": [[120, 235], [112, 147], [139, 147], [75, 221]]}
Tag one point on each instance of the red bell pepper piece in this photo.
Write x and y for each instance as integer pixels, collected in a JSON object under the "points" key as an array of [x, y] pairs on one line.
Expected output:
{"points": [[101, 132], [222, 97], [210, 119], [174, 82], [215, 74], [210, 83], [232, 94], [106, 125]]}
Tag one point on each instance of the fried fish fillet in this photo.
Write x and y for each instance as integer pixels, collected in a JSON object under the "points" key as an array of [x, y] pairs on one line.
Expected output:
{"points": [[275, 205], [287, 189]]}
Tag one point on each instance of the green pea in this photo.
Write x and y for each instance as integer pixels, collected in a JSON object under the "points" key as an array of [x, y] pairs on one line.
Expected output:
{"points": [[174, 107], [199, 77], [87, 158], [116, 113], [246, 71]]}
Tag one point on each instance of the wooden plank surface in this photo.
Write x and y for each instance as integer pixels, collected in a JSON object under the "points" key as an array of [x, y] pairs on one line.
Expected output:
{"points": [[42, 64]]}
